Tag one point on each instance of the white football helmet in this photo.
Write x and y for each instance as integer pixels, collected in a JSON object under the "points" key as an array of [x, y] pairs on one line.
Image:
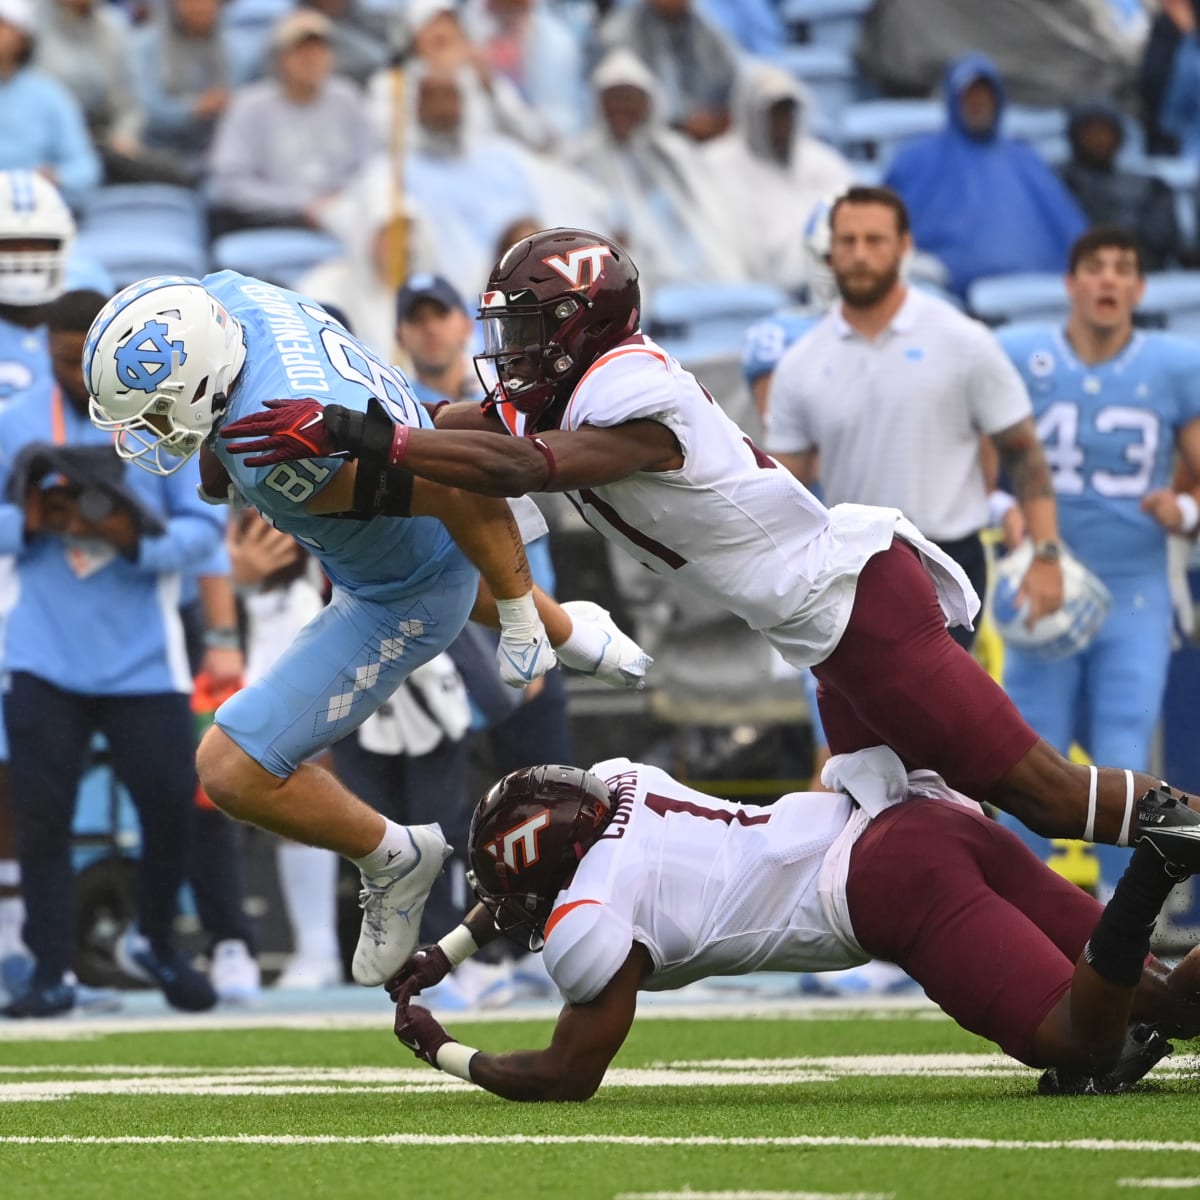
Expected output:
{"points": [[159, 361], [1086, 602], [822, 287], [32, 211]]}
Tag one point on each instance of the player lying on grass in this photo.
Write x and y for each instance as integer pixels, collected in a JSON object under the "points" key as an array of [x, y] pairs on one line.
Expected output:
{"points": [[632, 881]]}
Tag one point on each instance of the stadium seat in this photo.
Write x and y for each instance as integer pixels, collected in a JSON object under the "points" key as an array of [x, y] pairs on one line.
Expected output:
{"points": [[999, 299], [833, 23], [1172, 300], [147, 208], [132, 254], [279, 255], [708, 320], [828, 74], [875, 129], [1044, 129]]}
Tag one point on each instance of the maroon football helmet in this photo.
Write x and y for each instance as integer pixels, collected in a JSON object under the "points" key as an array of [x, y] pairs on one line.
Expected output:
{"points": [[527, 836], [555, 302]]}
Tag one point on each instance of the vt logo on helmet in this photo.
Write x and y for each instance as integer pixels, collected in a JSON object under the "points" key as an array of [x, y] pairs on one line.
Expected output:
{"points": [[160, 359], [527, 837], [555, 302], [148, 357]]}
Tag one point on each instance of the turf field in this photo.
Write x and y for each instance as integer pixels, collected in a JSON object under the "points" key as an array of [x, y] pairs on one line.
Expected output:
{"points": [[776, 1100]]}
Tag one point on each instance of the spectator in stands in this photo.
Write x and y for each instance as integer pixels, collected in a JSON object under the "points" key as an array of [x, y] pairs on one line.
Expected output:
{"points": [[1170, 80], [774, 173], [530, 45], [432, 35], [187, 66], [663, 201], [87, 46], [285, 146], [471, 184], [892, 380], [91, 647], [982, 203], [43, 126], [693, 62], [1109, 195], [359, 37], [385, 234]]}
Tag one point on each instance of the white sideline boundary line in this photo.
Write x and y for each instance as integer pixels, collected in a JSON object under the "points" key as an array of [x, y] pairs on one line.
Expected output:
{"points": [[880, 1141], [80, 1027]]}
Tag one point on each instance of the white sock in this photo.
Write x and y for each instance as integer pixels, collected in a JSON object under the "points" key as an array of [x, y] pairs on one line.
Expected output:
{"points": [[391, 856], [308, 882]]}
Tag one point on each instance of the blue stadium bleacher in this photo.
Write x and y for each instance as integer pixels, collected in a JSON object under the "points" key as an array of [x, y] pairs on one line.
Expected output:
{"points": [[830, 77], [873, 130], [833, 23], [999, 299], [1182, 176], [1173, 300], [281, 256], [1043, 129], [129, 253], [157, 208], [695, 321]]}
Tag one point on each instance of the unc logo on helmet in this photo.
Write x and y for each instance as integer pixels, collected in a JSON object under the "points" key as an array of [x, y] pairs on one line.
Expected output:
{"points": [[147, 359], [1086, 602], [527, 836]]}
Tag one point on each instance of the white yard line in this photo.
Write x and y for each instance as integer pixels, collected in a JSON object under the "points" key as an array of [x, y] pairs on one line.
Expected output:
{"points": [[688, 1194], [880, 1141]]}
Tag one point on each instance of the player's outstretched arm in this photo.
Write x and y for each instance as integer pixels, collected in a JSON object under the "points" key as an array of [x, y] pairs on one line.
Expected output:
{"points": [[586, 1040], [493, 464]]}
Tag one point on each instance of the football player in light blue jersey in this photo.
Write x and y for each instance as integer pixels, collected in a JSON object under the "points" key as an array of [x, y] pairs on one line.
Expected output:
{"points": [[1113, 406], [36, 232], [167, 361]]}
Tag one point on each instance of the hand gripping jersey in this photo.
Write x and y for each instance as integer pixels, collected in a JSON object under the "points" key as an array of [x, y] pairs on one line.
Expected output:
{"points": [[708, 887], [731, 523]]}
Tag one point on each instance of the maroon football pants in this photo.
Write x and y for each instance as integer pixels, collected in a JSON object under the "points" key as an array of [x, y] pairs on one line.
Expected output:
{"points": [[898, 679], [989, 931]]}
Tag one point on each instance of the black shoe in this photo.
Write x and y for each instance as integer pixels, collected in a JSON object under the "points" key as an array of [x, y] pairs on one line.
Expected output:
{"points": [[43, 1000], [1169, 826], [183, 986], [1144, 1047]]}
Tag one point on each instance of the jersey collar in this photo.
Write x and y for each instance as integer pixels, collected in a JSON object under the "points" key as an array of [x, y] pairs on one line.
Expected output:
{"points": [[904, 322]]}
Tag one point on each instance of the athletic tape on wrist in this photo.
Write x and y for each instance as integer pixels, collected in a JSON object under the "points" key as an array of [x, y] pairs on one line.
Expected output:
{"points": [[1189, 510], [1089, 829], [519, 614], [455, 1059], [458, 945], [1123, 839]]}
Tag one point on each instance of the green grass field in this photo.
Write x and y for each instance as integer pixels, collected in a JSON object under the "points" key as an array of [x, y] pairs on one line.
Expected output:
{"points": [[833, 1103]]}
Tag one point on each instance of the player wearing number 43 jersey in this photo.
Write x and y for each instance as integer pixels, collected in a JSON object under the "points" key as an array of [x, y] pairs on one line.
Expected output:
{"points": [[170, 358], [1113, 406], [598, 411], [631, 881]]}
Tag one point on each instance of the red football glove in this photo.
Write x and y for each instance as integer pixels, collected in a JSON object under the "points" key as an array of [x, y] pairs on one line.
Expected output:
{"points": [[288, 430], [423, 968], [419, 1031]]}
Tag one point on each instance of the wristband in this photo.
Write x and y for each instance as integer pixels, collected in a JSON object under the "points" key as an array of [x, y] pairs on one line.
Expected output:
{"points": [[520, 614], [226, 638], [455, 1059], [458, 945], [548, 455], [1189, 510], [399, 445]]}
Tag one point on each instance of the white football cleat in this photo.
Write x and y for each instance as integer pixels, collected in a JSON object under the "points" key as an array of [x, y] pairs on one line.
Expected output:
{"points": [[392, 907], [233, 972], [308, 974]]}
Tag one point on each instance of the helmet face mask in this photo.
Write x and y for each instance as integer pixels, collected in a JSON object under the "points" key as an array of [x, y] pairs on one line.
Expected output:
{"points": [[527, 837], [36, 234], [159, 361], [555, 302]]}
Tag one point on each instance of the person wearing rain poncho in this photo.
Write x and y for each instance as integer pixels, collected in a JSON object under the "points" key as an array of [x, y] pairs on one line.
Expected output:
{"points": [[981, 202], [664, 207], [773, 173]]}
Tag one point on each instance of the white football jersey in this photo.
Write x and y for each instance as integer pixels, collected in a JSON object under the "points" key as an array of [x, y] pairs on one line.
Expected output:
{"points": [[707, 886], [731, 523]]}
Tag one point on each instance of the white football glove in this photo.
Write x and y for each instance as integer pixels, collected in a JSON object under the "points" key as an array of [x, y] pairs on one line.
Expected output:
{"points": [[524, 653], [597, 647]]}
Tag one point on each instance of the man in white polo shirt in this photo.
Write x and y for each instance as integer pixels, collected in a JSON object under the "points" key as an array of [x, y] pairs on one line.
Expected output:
{"points": [[893, 390]]}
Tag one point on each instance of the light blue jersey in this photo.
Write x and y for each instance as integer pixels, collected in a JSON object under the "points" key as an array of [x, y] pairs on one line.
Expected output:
{"points": [[402, 588], [766, 340], [1109, 432], [132, 640], [24, 360]]}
